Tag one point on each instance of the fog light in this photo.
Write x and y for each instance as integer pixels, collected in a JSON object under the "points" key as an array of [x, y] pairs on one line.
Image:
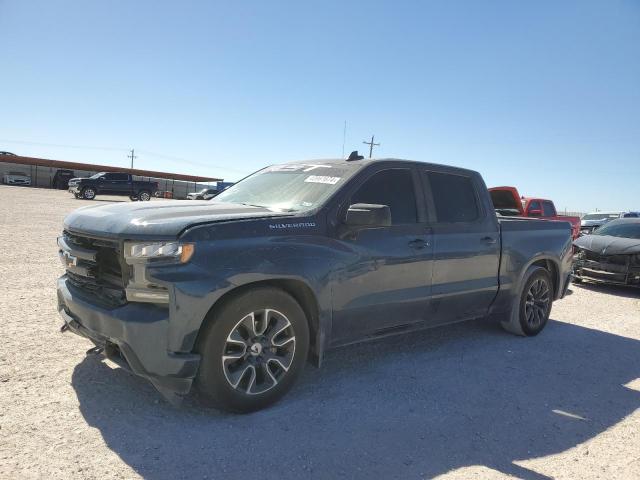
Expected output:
{"points": [[151, 296]]}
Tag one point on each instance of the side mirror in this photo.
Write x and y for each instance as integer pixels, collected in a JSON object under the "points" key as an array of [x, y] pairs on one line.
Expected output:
{"points": [[534, 212], [368, 215]]}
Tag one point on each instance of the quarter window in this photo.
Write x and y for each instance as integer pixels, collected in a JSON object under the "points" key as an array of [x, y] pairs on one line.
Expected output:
{"points": [[454, 198], [393, 188]]}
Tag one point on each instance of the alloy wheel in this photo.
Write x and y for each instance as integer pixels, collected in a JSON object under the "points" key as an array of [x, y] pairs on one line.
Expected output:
{"points": [[537, 303], [259, 351]]}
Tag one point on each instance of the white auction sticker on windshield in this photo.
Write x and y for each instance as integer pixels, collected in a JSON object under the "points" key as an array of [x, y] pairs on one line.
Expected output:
{"points": [[322, 179]]}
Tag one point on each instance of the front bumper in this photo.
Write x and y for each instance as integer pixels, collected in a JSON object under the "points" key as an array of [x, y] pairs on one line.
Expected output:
{"points": [[134, 335], [603, 272], [74, 189]]}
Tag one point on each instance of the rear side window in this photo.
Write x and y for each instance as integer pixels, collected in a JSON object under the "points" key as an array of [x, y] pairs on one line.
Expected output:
{"points": [[548, 210], [454, 198], [393, 188], [534, 205]]}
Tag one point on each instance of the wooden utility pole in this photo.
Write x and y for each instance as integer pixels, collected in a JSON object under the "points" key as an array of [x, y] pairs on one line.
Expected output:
{"points": [[371, 145], [132, 156]]}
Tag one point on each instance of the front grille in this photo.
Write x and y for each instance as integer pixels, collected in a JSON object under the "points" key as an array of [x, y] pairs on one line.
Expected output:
{"points": [[607, 259], [94, 267]]}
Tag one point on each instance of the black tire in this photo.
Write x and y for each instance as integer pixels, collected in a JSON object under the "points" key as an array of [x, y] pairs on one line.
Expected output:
{"points": [[88, 193], [133, 198], [531, 310], [243, 362], [144, 195]]}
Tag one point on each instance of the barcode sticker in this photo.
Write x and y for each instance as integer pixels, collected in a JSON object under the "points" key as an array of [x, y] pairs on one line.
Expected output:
{"points": [[322, 179]]}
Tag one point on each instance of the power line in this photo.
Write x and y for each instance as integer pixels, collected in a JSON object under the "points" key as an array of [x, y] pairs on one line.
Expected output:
{"points": [[59, 145], [192, 162], [371, 145], [118, 149]]}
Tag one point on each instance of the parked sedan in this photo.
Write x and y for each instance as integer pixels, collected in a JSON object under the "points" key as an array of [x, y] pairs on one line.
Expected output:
{"points": [[204, 194], [16, 178], [610, 254], [593, 220]]}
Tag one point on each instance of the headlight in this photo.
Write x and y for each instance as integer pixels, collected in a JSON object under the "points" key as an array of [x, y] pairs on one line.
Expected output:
{"points": [[181, 252]]}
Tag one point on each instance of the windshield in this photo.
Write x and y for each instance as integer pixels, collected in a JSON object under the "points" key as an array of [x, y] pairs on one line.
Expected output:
{"points": [[97, 175], [600, 216], [289, 187], [620, 229]]}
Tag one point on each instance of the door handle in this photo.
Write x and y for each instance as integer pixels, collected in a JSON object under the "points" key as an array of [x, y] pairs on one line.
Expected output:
{"points": [[419, 243], [489, 239]]}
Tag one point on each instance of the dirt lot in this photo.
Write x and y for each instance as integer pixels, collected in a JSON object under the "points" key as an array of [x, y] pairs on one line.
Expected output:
{"points": [[466, 401]]}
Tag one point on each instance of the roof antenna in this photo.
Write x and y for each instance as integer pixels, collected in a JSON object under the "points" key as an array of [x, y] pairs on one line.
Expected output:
{"points": [[354, 156]]}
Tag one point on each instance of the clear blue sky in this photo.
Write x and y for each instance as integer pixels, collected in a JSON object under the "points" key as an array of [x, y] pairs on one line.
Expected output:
{"points": [[543, 95]]}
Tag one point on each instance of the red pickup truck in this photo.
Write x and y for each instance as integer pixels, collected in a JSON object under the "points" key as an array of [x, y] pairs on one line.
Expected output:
{"points": [[508, 202]]}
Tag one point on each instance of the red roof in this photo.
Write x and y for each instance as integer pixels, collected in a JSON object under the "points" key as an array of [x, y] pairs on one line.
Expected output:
{"points": [[43, 162]]}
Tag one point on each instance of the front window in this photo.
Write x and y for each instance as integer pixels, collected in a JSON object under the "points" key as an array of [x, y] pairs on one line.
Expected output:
{"points": [[289, 188], [97, 175], [620, 229], [393, 188]]}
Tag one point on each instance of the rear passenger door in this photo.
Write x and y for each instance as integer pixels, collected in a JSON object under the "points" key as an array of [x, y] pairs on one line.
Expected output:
{"points": [[466, 247]]}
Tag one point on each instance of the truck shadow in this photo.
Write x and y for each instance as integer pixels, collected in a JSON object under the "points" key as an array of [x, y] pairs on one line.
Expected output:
{"points": [[407, 407]]}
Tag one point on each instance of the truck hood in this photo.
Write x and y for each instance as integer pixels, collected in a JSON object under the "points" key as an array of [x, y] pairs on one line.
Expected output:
{"points": [[157, 218], [605, 244]]}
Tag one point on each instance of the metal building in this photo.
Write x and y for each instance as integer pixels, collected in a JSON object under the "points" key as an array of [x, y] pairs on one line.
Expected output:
{"points": [[42, 172]]}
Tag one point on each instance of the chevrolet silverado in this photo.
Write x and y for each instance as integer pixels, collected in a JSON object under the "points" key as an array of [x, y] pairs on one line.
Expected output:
{"points": [[234, 295]]}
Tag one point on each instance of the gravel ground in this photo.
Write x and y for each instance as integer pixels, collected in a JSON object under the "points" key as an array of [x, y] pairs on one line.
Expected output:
{"points": [[464, 401]]}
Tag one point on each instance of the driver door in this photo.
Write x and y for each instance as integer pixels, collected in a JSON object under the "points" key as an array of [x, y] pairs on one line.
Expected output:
{"points": [[385, 285]]}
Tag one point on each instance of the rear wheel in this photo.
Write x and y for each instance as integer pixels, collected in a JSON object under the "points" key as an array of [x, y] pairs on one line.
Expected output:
{"points": [[532, 308], [253, 349], [88, 193], [133, 198]]}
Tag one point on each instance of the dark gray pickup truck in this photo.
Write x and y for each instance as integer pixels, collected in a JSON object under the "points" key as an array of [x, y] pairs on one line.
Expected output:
{"points": [[235, 294], [112, 183]]}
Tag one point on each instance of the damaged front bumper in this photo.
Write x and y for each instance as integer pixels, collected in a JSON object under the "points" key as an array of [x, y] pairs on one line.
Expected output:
{"points": [[617, 270], [132, 336]]}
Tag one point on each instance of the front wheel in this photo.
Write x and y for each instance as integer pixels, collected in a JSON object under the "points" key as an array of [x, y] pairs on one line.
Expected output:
{"points": [[532, 308], [88, 193], [252, 350], [144, 196]]}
